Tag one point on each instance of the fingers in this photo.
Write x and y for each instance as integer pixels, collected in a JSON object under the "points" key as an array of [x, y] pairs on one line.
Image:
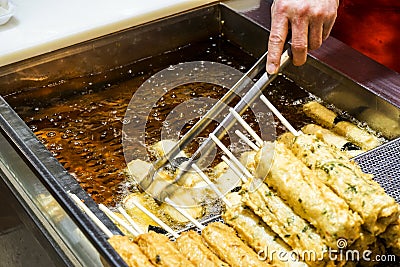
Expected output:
{"points": [[327, 27], [315, 35], [329, 22], [276, 42], [299, 41], [319, 31], [311, 22]]}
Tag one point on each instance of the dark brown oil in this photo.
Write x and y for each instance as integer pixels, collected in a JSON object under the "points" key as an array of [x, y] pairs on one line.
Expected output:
{"points": [[83, 129]]}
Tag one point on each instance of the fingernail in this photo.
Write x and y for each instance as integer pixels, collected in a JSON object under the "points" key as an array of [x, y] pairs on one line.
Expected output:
{"points": [[271, 68]]}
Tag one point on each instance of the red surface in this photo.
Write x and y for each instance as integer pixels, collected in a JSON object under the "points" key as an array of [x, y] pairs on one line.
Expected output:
{"points": [[371, 27]]}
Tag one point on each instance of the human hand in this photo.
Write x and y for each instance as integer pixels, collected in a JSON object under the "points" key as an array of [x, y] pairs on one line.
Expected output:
{"points": [[310, 21]]}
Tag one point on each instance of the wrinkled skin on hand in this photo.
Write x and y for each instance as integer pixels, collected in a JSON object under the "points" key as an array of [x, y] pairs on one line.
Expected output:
{"points": [[310, 21]]}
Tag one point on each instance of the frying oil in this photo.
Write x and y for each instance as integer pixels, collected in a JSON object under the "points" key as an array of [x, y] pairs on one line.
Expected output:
{"points": [[83, 130]]}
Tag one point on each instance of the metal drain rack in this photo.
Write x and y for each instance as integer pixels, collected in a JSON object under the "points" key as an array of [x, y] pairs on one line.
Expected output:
{"points": [[383, 163]]}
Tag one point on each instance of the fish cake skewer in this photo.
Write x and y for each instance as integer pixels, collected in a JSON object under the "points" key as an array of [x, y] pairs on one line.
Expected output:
{"points": [[259, 236], [192, 246], [161, 251], [361, 193], [310, 198], [129, 251], [333, 139], [290, 227], [223, 240], [392, 237], [331, 120]]}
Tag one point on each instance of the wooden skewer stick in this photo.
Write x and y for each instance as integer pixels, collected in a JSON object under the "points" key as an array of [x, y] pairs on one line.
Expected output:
{"points": [[238, 172], [91, 215], [185, 214], [230, 155], [121, 222], [235, 169], [211, 185], [247, 140], [246, 126], [156, 219], [129, 219], [280, 116]]}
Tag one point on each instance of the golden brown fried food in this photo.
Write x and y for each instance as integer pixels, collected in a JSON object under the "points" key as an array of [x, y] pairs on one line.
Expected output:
{"points": [[223, 240], [161, 251], [192, 246], [333, 139], [392, 237], [137, 215], [323, 116], [310, 198], [259, 236], [329, 119], [293, 229], [346, 179], [356, 135], [129, 251]]}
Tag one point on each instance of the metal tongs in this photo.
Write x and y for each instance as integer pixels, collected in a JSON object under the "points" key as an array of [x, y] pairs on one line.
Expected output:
{"points": [[253, 93]]}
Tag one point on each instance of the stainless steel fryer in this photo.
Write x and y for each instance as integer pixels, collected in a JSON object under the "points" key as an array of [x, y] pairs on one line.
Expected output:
{"points": [[336, 73]]}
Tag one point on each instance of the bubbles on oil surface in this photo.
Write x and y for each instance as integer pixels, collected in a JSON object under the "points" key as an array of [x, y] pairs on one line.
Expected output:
{"points": [[184, 108], [89, 129], [171, 68], [51, 134]]}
